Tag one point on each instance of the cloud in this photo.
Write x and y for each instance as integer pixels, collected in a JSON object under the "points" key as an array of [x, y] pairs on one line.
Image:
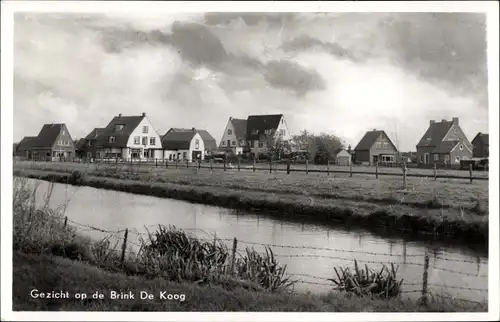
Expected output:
{"points": [[197, 70]]}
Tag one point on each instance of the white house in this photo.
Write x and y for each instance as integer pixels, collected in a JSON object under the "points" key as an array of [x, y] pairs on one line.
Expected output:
{"points": [[264, 129], [129, 137], [183, 145], [234, 136], [343, 158]]}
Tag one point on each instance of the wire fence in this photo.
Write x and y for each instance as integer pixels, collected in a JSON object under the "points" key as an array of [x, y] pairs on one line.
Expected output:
{"points": [[281, 166], [421, 287]]}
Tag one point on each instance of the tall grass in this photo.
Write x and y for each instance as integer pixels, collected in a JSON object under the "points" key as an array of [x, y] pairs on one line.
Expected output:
{"points": [[168, 252], [367, 282]]}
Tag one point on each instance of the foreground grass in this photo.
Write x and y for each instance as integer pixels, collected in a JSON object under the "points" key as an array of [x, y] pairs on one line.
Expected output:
{"points": [[50, 273], [50, 257], [413, 219]]}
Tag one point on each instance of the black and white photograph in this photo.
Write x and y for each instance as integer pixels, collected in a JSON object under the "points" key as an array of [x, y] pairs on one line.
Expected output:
{"points": [[287, 157]]}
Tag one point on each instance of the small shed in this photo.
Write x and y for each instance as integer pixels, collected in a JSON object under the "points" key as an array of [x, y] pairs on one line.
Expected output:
{"points": [[343, 158]]}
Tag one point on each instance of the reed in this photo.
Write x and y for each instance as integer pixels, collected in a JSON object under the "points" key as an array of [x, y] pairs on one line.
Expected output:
{"points": [[367, 282]]}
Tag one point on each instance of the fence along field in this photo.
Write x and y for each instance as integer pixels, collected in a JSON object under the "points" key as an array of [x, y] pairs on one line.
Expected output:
{"points": [[424, 289]]}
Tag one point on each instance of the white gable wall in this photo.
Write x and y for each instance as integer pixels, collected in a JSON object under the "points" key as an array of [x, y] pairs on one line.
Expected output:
{"points": [[179, 154], [151, 134]]}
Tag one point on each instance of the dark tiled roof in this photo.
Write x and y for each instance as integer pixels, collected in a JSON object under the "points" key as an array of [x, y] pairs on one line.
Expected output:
{"points": [[177, 140], [435, 134], [121, 137], [368, 140], [258, 124], [26, 143], [484, 137], [95, 132], [48, 135], [240, 128], [445, 147], [80, 144], [208, 140]]}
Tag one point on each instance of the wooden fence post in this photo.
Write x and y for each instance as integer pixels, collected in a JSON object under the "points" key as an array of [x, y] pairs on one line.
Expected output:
{"points": [[307, 170], [235, 246], [424, 280], [176, 163], [239, 164], [376, 170], [224, 164], [65, 221], [328, 168], [288, 167], [270, 165], [199, 164], [404, 176], [187, 163], [470, 172], [350, 169], [166, 163], [211, 165], [435, 171], [124, 246], [254, 164], [156, 162]]}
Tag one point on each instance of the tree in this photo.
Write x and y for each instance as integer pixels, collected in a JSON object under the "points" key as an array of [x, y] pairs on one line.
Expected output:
{"points": [[276, 147], [321, 148]]}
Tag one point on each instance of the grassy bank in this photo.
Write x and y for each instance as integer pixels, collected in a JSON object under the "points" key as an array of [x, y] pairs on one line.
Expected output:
{"points": [[410, 218], [49, 256]]}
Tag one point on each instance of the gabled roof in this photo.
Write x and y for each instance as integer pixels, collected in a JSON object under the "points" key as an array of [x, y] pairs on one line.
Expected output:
{"points": [[258, 124], [95, 132], [26, 143], [484, 137], [48, 135], [435, 134], [80, 144], [208, 140], [180, 140], [445, 147], [369, 139], [240, 128], [121, 137]]}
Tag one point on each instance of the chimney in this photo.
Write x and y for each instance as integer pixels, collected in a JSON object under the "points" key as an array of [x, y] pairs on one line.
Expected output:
{"points": [[193, 129], [431, 122], [143, 114], [120, 115], [443, 121], [455, 120], [374, 130], [230, 118]]}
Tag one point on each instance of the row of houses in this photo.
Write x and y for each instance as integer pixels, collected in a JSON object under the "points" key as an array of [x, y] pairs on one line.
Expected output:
{"points": [[444, 142], [133, 137]]}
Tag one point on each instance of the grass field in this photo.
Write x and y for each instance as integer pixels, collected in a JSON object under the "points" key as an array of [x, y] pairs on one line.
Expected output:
{"points": [[437, 207], [38, 232]]}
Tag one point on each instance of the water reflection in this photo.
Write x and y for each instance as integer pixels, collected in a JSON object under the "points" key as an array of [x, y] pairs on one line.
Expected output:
{"points": [[301, 245]]}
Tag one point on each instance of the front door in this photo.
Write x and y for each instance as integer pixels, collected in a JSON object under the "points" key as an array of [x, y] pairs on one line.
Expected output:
{"points": [[375, 159], [196, 155], [426, 158], [228, 143]]}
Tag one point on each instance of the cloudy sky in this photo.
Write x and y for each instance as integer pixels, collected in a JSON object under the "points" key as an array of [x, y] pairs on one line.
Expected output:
{"points": [[342, 73]]}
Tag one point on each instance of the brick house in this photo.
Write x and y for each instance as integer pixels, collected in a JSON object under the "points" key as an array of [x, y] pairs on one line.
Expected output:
{"points": [[23, 148], [53, 143], [481, 146], [128, 137], [86, 147], [264, 130], [443, 143], [234, 138], [375, 146]]}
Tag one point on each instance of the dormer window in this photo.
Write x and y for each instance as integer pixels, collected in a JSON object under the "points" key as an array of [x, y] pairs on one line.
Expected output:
{"points": [[255, 132], [119, 127], [229, 132], [111, 139], [461, 147], [145, 129]]}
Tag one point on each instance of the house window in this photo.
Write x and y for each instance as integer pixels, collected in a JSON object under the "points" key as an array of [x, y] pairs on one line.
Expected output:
{"points": [[152, 141], [111, 139], [146, 153], [144, 140], [145, 129], [461, 147], [184, 155], [197, 144], [233, 143], [446, 159], [241, 142], [63, 132], [118, 127], [379, 145], [282, 132], [229, 132], [255, 132], [261, 144], [223, 142], [137, 140], [386, 145], [90, 143], [457, 159], [252, 144], [436, 157]]}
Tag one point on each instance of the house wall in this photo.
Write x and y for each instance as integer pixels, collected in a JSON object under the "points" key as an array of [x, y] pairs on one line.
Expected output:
{"points": [[376, 150], [264, 149], [480, 150], [343, 160], [151, 134], [456, 134], [421, 151], [362, 155], [464, 154], [64, 144], [234, 142], [192, 147]]}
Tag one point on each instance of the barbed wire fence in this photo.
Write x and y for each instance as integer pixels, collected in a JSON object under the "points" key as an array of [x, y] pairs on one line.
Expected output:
{"points": [[421, 288]]}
